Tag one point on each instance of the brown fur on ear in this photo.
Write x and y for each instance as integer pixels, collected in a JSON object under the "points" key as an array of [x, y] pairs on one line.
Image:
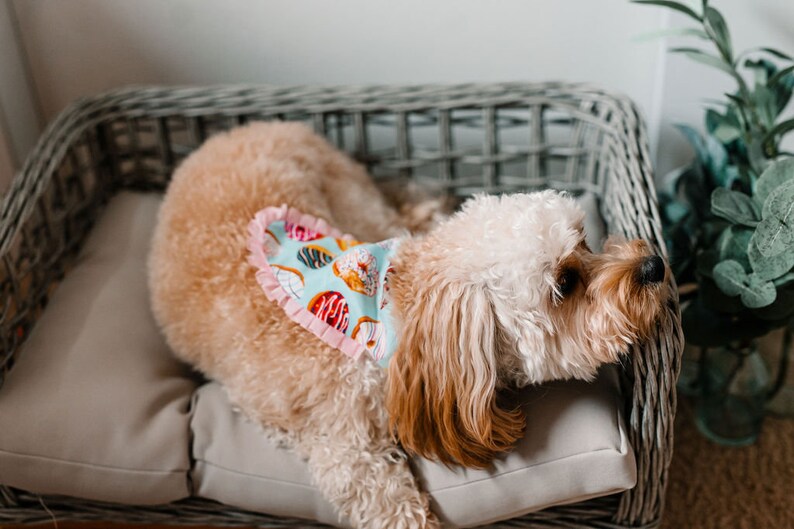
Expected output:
{"points": [[442, 389]]}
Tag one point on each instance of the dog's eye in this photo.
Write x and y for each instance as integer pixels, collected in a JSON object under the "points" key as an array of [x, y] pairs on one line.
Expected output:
{"points": [[567, 281]]}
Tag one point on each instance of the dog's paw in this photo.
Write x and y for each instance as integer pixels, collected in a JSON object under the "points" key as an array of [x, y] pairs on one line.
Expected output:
{"points": [[377, 490], [408, 515]]}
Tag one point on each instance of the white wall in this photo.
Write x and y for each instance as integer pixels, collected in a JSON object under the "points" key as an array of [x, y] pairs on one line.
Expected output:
{"points": [[80, 47], [19, 118]]}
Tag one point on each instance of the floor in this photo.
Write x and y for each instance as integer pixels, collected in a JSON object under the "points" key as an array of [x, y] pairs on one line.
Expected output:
{"points": [[716, 487]]}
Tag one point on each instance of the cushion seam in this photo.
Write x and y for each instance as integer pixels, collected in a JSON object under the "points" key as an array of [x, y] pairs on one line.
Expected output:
{"points": [[452, 487], [256, 476], [90, 465]]}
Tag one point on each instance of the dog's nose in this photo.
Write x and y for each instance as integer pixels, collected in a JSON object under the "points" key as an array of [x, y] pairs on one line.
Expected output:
{"points": [[651, 270]]}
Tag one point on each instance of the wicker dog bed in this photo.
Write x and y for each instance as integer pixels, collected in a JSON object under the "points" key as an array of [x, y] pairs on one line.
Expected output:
{"points": [[461, 139]]}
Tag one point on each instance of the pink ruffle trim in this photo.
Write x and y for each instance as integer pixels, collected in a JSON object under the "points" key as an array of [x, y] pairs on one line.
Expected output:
{"points": [[273, 289]]}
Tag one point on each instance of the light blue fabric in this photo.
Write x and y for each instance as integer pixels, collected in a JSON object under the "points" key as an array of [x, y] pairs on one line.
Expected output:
{"points": [[342, 282]]}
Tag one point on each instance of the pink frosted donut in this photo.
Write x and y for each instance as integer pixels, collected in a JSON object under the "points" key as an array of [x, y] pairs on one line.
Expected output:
{"points": [[331, 307], [297, 232]]}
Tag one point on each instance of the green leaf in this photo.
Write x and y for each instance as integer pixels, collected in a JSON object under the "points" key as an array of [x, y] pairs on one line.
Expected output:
{"points": [[692, 190], [733, 244], [718, 161], [775, 53], [766, 105], [777, 174], [775, 79], [725, 128], [780, 203], [738, 101], [773, 237], [730, 177], [755, 155], [708, 59], [730, 277], [727, 133], [675, 211], [735, 116], [784, 280], [734, 281], [681, 8], [759, 293], [783, 92], [713, 119], [770, 51], [669, 182], [735, 207], [775, 233], [762, 68], [716, 25], [769, 268], [779, 130]]}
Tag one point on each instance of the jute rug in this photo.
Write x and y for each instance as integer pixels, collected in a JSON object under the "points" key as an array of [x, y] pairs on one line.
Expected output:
{"points": [[716, 487]]}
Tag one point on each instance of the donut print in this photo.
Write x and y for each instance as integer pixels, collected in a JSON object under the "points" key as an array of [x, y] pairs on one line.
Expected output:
{"points": [[387, 245], [346, 244], [372, 335], [296, 232], [358, 268], [314, 256], [386, 290], [291, 280], [271, 243], [331, 307]]}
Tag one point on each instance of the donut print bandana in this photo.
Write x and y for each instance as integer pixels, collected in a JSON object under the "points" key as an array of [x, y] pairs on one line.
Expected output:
{"points": [[332, 285]]}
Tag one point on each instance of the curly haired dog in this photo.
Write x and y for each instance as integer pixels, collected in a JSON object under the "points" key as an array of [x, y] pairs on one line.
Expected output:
{"points": [[501, 294]]}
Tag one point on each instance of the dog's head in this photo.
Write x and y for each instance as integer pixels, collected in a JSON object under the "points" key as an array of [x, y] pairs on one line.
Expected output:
{"points": [[502, 294]]}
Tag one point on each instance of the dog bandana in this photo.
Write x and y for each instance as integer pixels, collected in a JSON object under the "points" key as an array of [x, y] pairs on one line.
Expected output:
{"points": [[329, 283]]}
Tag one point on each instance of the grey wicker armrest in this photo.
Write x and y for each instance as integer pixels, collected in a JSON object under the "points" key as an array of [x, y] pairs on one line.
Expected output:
{"points": [[459, 139]]}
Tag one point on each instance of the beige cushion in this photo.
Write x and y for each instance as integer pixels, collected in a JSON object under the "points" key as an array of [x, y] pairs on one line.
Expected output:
{"points": [[96, 406], [575, 448]]}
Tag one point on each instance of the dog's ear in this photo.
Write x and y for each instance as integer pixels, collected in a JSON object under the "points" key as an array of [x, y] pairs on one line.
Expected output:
{"points": [[442, 391]]}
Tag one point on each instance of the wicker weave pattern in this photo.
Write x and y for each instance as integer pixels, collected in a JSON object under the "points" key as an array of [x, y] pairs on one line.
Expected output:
{"points": [[458, 139]]}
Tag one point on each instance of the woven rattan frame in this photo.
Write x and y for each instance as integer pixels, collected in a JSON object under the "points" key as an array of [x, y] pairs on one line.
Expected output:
{"points": [[460, 139]]}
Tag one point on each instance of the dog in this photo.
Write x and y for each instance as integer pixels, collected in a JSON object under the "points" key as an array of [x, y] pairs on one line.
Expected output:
{"points": [[501, 294]]}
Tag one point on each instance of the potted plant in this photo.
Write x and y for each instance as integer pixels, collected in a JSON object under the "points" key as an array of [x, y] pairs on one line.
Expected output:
{"points": [[729, 227]]}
